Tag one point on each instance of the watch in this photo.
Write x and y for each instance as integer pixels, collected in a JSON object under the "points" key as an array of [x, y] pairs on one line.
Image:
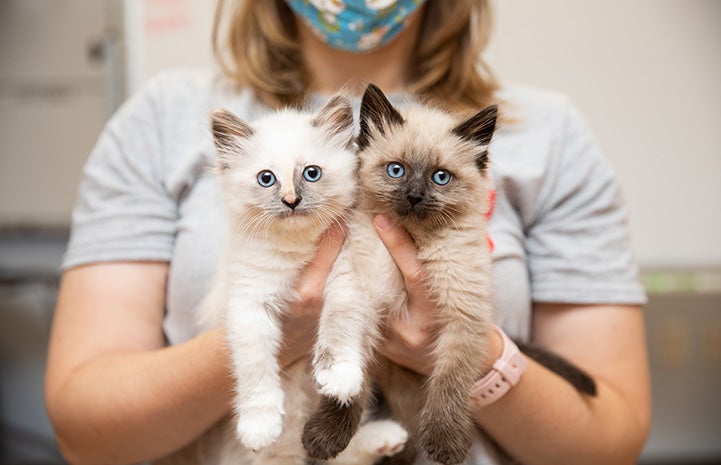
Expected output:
{"points": [[505, 373]]}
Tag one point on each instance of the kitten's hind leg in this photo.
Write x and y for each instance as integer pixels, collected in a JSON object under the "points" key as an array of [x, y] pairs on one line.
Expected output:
{"points": [[400, 390], [254, 335], [407, 456], [375, 440]]}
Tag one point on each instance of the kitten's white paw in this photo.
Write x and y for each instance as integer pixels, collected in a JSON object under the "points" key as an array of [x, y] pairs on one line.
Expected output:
{"points": [[342, 381], [259, 428], [382, 438]]}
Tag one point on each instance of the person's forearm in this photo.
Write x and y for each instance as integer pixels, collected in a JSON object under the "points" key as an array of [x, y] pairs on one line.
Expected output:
{"points": [[132, 407], [544, 420]]}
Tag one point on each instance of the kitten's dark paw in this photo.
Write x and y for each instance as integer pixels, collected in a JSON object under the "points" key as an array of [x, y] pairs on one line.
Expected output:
{"points": [[330, 429], [446, 441]]}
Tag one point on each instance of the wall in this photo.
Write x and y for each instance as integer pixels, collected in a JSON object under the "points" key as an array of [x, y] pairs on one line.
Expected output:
{"points": [[162, 34], [646, 74], [57, 88]]}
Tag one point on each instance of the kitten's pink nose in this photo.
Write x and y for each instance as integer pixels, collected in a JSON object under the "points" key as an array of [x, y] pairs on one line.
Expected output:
{"points": [[291, 201]]}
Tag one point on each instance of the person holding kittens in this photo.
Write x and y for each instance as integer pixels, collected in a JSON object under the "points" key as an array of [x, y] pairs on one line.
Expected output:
{"points": [[130, 376]]}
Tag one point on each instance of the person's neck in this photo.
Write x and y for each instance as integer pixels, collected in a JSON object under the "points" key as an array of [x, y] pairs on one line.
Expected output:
{"points": [[331, 69]]}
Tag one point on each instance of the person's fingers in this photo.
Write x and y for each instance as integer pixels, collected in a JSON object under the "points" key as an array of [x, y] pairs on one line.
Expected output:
{"points": [[402, 249], [328, 249], [312, 279], [408, 345]]}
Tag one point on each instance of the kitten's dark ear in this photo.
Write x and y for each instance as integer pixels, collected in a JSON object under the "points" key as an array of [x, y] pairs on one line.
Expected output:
{"points": [[228, 133], [375, 112], [479, 130], [336, 118]]}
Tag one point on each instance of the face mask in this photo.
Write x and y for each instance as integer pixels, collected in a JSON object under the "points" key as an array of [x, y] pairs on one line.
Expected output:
{"points": [[355, 25]]}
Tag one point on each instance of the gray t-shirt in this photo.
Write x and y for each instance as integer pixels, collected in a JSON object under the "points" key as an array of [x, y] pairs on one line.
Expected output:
{"points": [[559, 226]]}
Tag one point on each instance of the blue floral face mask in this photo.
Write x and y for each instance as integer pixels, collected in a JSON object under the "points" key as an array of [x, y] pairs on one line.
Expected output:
{"points": [[355, 25]]}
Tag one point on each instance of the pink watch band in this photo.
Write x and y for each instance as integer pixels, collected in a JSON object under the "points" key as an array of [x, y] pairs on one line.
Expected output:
{"points": [[506, 372]]}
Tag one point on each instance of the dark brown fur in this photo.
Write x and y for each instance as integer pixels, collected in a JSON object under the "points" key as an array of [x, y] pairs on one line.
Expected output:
{"points": [[581, 380], [344, 421]]}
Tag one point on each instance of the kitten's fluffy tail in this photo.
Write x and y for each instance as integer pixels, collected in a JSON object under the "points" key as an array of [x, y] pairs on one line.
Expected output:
{"points": [[581, 380]]}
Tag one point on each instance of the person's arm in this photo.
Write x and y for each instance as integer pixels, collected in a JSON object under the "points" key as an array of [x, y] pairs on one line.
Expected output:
{"points": [[544, 420], [114, 393]]}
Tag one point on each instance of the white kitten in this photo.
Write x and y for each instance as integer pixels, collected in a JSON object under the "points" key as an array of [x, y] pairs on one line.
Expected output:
{"points": [[285, 180]]}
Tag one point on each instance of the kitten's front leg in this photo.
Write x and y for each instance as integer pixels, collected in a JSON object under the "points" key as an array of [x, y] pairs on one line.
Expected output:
{"points": [[458, 279], [375, 440], [346, 333], [339, 361], [446, 426], [254, 336]]}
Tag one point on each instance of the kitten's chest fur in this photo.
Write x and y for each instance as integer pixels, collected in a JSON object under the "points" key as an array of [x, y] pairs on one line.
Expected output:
{"points": [[268, 262]]}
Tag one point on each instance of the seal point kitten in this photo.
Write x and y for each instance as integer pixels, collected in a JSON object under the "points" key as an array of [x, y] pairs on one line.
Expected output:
{"points": [[427, 170]]}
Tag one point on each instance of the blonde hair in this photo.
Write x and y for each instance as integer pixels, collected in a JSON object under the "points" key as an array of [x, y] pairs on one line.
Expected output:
{"points": [[256, 44]]}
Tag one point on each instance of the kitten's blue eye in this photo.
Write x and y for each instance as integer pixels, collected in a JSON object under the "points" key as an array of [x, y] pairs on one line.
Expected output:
{"points": [[266, 178], [312, 173], [395, 170], [441, 177]]}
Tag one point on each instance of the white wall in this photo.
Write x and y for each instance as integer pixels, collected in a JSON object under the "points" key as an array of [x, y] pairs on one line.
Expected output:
{"points": [[53, 103], [647, 74], [163, 34]]}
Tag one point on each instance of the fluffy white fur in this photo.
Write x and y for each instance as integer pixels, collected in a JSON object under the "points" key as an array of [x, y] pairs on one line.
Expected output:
{"points": [[269, 242]]}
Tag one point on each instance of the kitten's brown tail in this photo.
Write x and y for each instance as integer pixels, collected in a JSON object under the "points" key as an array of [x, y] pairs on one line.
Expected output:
{"points": [[581, 380]]}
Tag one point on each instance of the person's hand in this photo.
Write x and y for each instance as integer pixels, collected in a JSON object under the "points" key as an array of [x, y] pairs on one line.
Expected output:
{"points": [[301, 323], [408, 341]]}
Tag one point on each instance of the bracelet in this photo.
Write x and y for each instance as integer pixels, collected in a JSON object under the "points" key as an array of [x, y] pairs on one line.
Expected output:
{"points": [[504, 374]]}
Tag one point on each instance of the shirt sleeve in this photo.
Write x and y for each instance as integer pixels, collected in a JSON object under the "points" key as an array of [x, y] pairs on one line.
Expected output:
{"points": [[123, 211], [578, 244]]}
